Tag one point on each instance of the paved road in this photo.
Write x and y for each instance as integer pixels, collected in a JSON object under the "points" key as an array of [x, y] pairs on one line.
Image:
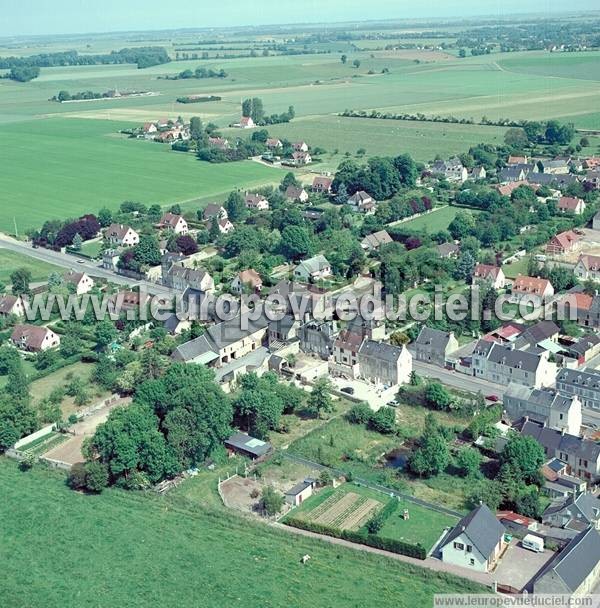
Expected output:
{"points": [[458, 380], [69, 262]]}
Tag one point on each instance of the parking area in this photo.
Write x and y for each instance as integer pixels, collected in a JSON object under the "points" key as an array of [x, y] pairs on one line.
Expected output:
{"points": [[375, 396], [589, 244], [518, 566]]}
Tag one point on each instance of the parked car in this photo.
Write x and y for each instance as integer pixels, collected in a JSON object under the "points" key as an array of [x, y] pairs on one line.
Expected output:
{"points": [[348, 390], [393, 403], [493, 398]]}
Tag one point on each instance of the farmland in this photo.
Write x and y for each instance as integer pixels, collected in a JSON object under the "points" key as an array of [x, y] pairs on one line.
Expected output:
{"points": [[129, 562], [63, 168], [72, 151]]}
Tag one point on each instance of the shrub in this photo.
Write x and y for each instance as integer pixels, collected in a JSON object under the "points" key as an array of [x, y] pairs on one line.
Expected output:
{"points": [[359, 413]]}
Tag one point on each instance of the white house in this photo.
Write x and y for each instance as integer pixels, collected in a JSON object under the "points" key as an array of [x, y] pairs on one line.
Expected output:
{"points": [[121, 235], [313, 269], [476, 542], [80, 281], [174, 222], [247, 279], [300, 492], [12, 305], [485, 273], [34, 338], [588, 267], [256, 201], [225, 226]]}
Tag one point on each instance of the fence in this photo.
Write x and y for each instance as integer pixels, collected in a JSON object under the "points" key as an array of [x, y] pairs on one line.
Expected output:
{"points": [[374, 486], [37, 435]]}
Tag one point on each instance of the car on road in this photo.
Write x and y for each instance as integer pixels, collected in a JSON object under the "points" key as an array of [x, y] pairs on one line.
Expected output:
{"points": [[493, 398], [393, 403], [348, 390], [81, 261]]}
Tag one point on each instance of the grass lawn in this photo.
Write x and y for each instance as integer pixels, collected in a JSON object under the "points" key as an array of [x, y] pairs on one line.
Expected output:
{"points": [[121, 548], [61, 168], [10, 261], [435, 221], [514, 268], [92, 248], [44, 386]]}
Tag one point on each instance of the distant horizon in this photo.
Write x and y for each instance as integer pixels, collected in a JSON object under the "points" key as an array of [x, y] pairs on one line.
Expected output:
{"points": [[71, 18]]}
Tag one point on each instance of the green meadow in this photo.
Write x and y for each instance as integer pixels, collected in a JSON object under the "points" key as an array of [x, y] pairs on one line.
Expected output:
{"points": [[61, 168], [62, 548]]}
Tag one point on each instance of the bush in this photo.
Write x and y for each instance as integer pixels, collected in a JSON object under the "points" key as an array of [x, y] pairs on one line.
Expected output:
{"points": [[371, 540], [359, 413]]}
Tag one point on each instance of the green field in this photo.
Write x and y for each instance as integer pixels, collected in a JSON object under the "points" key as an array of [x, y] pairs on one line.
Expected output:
{"points": [[10, 261], [433, 222], [60, 168], [61, 548]]}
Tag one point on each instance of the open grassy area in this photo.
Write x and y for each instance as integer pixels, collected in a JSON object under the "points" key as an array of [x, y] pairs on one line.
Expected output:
{"points": [[11, 261], [122, 548], [435, 221], [59, 168]]}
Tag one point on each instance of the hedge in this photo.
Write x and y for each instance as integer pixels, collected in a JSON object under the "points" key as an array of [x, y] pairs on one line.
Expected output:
{"points": [[363, 538]]}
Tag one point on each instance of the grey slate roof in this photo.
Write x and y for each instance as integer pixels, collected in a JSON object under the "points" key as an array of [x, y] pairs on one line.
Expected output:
{"points": [[435, 338], [380, 350], [536, 333], [502, 355], [248, 444], [586, 378], [553, 440], [481, 527], [575, 562], [299, 487]]}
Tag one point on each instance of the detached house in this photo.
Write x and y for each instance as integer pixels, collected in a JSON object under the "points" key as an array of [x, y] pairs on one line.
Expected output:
{"points": [[588, 268], [301, 158], [362, 201], [247, 280], [300, 146], [213, 210], [119, 235], [174, 222], [313, 269], [296, 194], [256, 201], [565, 242], [571, 204], [80, 281], [246, 122], [34, 338], [531, 288], [322, 184], [274, 144], [434, 346], [372, 242], [225, 226], [555, 167], [476, 542], [485, 273], [12, 305], [452, 170]]}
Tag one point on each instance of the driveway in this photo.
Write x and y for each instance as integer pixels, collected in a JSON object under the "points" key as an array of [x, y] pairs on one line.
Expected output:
{"points": [[375, 396], [518, 566]]}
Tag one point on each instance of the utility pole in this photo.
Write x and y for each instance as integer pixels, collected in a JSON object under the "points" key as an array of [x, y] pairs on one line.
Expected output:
{"points": [[16, 229]]}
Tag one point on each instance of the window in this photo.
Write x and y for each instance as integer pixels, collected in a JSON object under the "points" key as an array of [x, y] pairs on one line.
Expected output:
{"points": [[469, 549], [459, 546], [472, 562]]}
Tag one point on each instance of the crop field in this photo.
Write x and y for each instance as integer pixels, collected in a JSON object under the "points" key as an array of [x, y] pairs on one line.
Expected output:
{"points": [[346, 511], [122, 548], [62, 168], [349, 507]]}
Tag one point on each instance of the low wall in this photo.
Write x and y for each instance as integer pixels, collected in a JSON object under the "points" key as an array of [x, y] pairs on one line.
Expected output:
{"points": [[41, 433]]}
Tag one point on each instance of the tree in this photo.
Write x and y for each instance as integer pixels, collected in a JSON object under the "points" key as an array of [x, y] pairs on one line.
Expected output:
{"points": [[236, 206], [196, 128], [289, 179], [415, 379], [105, 333], [296, 242], [356, 63], [259, 405], [525, 455], [147, 251], [77, 242], [20, 280], [186, 244], [468, 461], [516, 138], [105, 217], [486, 491], [17, 384], [438, 396], [462, 53], [432, 457], [359, 413], [464, 266], [96, 476], [383, 420], [320, 401], [344, 59], [214, 232], [271, 501], [342, 196]]}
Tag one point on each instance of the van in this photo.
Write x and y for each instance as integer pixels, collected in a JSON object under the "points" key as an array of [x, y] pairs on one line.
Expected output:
{"points": [[533, 543]]}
